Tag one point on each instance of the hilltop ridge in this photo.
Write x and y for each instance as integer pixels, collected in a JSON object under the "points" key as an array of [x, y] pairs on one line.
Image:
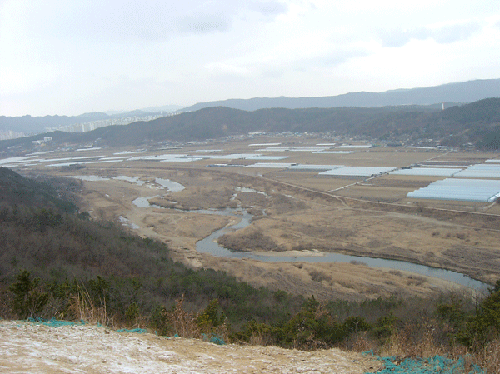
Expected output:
{"points": [[456, 92], [477, 124]]}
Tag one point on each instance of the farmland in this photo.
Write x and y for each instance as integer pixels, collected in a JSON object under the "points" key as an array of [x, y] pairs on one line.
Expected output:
{"points": [[298, 213]]}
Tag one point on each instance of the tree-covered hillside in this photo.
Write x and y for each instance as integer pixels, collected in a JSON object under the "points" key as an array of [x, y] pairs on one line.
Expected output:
{"points": [[475, 123], [64, 249], [16, 190]]}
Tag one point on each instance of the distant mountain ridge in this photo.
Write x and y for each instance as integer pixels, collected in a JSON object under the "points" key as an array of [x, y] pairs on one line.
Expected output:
{"points": [[459, 92], [450, 94], [476, 123]]}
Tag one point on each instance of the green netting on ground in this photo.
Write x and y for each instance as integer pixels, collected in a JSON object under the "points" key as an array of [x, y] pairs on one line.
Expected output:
{"points": [[213, 339], [140, 331], [56, 323], [53, 322], [429, 365]]}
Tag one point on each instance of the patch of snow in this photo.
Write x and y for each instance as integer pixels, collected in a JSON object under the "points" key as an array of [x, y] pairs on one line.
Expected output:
{"points": [[88, 149], [168, 184], [126, 222], [134, 180], [90, 178]]}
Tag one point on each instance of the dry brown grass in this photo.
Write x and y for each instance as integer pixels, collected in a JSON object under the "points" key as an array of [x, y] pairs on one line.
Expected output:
{"points": [[360, 342], [413, 341], [187, 325], [423, 341], [489, 357], [183, 323], [82, 307]]}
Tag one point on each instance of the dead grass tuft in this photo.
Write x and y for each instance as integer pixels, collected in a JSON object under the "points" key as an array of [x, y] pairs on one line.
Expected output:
{"points": [[423, 341], [183, 323], [413, 341], [360, 342], [489, 357], [83, 308]]}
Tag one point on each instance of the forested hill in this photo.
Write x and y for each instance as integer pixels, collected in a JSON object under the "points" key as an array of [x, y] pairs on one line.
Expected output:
{"points": [[477, 123], [57, 256], [458, 92], [16, 190]]}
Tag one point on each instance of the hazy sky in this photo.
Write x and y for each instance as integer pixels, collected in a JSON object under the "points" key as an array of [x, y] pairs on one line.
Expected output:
{"points": [[67, 57]]}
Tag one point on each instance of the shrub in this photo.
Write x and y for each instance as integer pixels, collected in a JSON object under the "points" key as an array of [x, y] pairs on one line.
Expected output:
{"points": [[29, 299]]}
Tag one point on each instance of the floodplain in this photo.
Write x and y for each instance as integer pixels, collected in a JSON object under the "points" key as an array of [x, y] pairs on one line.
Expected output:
{"points": [[297, 213]]}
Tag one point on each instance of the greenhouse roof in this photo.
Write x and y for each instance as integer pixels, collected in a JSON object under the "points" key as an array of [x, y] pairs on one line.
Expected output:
{"points": [[490, 170], [481, 190], [433, 172], [357, 171]]}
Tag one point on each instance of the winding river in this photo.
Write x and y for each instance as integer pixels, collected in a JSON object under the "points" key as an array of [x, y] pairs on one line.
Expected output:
{"points": [[209, 245]]}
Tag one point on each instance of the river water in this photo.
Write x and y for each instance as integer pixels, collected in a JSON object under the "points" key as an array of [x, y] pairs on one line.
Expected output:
{"points": [[209, 245]]}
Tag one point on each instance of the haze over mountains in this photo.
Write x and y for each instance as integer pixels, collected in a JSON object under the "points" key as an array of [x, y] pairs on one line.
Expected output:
{"points": [[476, 123], [460, 92], [362, 114], [451, 93], [28, 124]]}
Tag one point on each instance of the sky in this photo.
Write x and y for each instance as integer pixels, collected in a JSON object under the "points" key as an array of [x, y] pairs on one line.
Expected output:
{"points": [[69, 57]]}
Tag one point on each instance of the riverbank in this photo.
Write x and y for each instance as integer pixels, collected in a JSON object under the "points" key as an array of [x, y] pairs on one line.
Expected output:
{"points": [[210, 246]]}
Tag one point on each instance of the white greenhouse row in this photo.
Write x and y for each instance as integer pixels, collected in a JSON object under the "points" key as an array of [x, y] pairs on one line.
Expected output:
{"points": [[311, 167], [480, 171], [279, 165], [293, 149], [481, 190], [357, 171], [431, 172]]}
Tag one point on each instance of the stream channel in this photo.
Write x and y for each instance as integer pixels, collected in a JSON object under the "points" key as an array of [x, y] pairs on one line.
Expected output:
{"points": [[209, 245]]}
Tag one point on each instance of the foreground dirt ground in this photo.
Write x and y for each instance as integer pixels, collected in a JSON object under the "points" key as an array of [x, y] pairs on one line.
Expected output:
{"points": [[34, 348]]}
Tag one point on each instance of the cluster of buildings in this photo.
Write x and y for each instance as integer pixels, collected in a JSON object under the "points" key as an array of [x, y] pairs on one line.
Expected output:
{"points": [[6, 135], [92, 125]]}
